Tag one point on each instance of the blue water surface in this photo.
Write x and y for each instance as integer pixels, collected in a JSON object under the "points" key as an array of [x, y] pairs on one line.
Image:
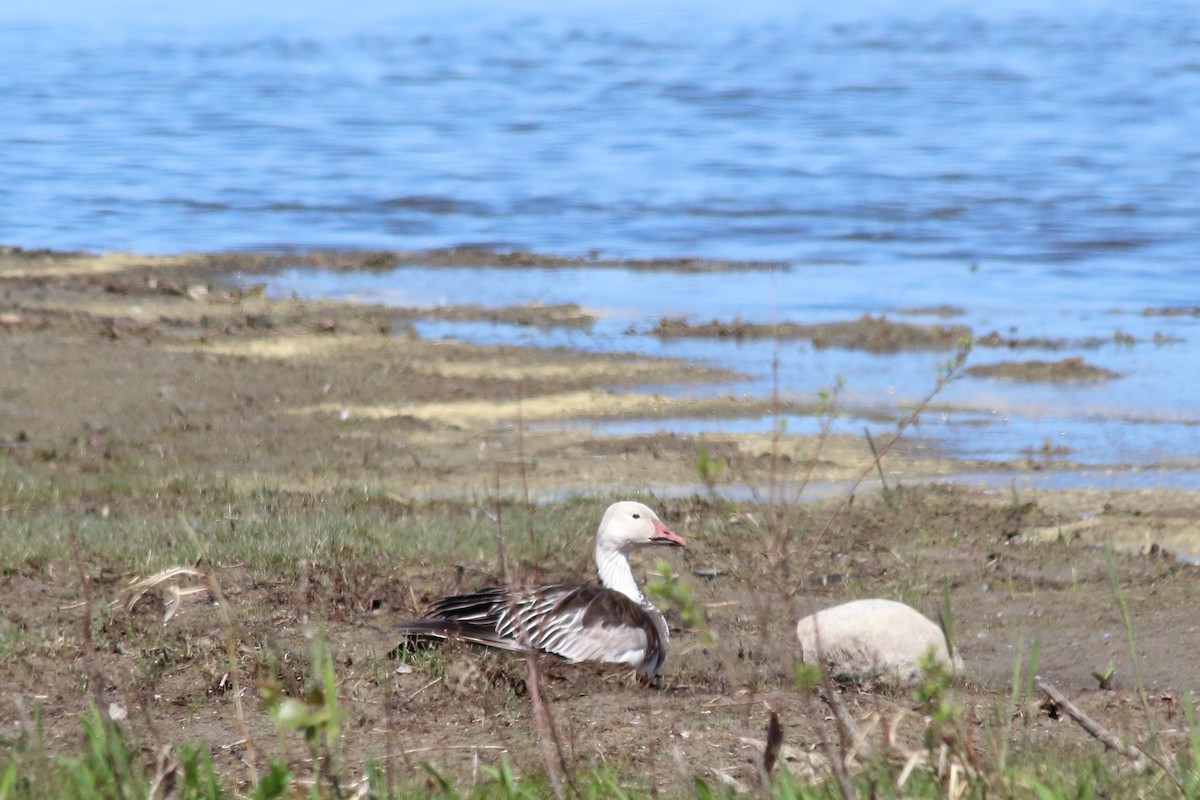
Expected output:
{"points": [[851, 133], [1147, 415], [1036, 164]]}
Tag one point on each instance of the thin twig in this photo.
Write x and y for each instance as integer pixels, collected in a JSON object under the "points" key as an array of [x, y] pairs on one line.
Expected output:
{"points": [[231, 648], [840, 774], [438, 747], [501, 549], [780, 506], [1166, 770], [531, 656], [776, 417], [95, 678], [521, 468], [389, 747], [878, 458], [848, 732], [548, 741], [547, 736], [810, 463], [940, 384], [416, 692], [943, 379]]}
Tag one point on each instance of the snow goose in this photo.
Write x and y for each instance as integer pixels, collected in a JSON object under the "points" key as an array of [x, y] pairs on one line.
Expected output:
{"points": [[605, 620]]}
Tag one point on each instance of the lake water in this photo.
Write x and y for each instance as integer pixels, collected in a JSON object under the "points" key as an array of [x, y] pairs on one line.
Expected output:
{"points": [[1150, 415], [880, 149]]}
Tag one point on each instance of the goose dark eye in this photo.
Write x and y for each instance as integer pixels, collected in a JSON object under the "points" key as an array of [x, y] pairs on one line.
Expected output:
{"points": [[637, 516]]}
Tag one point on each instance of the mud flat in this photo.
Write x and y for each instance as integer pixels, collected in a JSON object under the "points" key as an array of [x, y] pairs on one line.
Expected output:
{"points": [[1036, 370], [874, 334], [331, 469]]}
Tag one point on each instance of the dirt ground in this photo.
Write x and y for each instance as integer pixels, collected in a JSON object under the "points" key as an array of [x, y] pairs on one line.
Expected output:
{"points": [[159, 366]]}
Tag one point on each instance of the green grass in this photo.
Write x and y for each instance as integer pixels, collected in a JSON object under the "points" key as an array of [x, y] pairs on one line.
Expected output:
{"points": [[140, 525]]}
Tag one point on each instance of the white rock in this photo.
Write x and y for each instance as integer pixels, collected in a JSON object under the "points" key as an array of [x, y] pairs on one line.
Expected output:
{"points": [[873, 640]]}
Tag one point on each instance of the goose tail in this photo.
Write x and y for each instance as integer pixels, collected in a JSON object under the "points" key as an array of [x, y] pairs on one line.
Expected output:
{"points": [[427, 630]]}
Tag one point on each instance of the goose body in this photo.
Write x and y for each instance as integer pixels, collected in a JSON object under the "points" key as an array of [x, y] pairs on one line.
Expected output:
{"points": [[608, 619]]}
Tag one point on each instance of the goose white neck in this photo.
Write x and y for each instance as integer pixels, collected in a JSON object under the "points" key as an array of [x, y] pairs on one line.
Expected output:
{"points": [[612, 566]]}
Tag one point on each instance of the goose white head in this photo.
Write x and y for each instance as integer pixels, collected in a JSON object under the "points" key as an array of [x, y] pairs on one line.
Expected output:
{"points": [[629, 524], [625, 526]]}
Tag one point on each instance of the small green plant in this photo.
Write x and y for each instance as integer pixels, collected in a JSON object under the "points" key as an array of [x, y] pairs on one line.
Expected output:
{"points": [[709, 468], [1104, 679], [933, 694], [422, 659], [510, 788], [8, 781], [199, 777], [1127, 623], [666, 587], [107, 767], [806, 676], [444, 784], [1189, 756], [316, 716], [275, 783], [1020, 688]]}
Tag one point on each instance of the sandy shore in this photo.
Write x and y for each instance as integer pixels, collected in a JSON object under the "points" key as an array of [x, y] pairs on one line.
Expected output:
{"points": [[130, 379]]}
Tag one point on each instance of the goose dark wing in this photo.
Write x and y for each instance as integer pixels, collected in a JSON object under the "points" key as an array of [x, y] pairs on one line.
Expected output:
{"points": [[577, 622], [592, 623]]}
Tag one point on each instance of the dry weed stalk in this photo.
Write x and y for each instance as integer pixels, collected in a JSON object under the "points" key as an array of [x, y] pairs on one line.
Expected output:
{"points": [[840, 774], [949, 760], [848, 733], [138, 587], [946, 374], [522, 470], [780, 509], [92, 667], [549, 743], [779, 506], [232, 638]]}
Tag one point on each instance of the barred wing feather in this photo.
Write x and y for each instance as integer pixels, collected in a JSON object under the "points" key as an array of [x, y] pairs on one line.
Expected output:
{"points": [[577, 622]]}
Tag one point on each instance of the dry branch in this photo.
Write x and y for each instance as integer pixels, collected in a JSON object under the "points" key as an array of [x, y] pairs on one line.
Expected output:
{"points": [[548, 741], [1093, 728]]}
